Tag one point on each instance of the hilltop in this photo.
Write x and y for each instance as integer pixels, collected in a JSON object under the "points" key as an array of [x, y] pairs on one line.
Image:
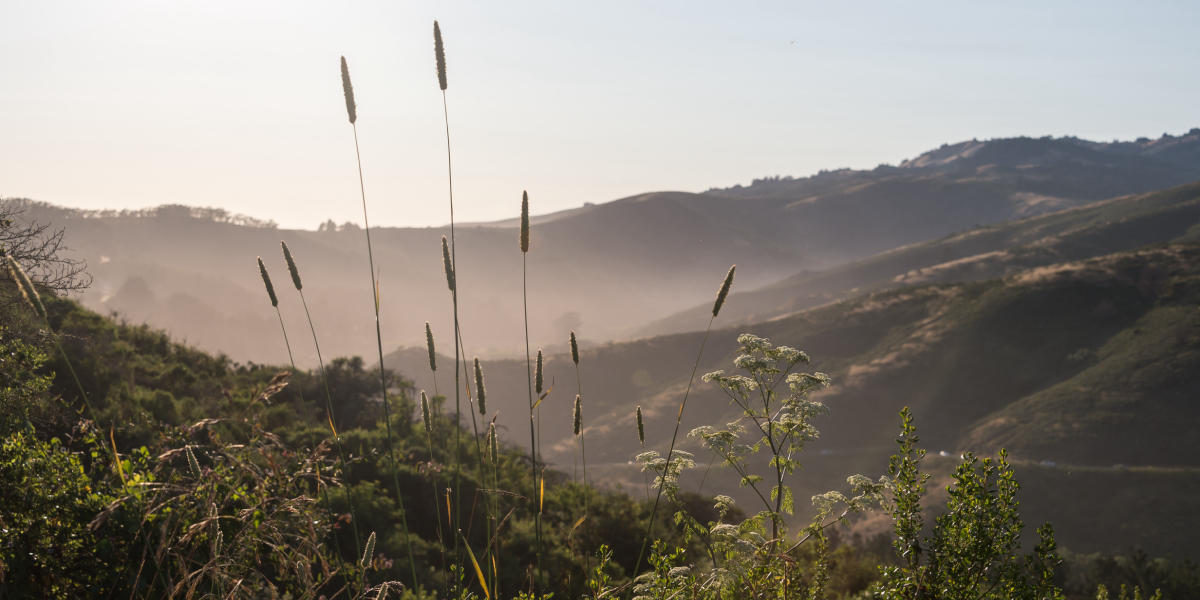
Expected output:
{"points": [[192, 272], [984, 252]]}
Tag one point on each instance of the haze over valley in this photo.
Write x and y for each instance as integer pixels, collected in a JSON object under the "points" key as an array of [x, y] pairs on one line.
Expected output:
{"points": [[609, 271]]}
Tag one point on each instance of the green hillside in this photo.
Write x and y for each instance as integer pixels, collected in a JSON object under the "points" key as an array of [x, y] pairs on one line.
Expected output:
{"points": [[1053, 363], [965, 356]]}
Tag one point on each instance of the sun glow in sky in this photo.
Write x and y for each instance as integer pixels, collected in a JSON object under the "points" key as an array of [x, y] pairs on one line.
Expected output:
{"points": [[238, 105]]}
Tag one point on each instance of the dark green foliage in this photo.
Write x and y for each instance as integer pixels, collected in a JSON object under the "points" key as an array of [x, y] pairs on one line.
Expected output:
{"points": [[47, 500], [973, 552], [160, 399], [23, 382], [196, 501]]}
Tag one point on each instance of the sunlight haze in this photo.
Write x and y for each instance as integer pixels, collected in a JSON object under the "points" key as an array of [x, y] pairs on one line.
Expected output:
{"points": [[238, 105]]}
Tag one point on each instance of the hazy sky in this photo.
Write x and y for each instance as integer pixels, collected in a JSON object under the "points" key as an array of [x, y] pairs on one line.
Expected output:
{"points": [[239, 104]]}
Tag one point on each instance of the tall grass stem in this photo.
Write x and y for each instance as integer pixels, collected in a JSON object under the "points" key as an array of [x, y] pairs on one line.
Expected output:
{"points": [[722, 293]]}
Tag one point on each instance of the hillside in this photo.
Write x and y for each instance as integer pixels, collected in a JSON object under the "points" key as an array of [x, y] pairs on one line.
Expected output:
{"points": [[1052, 363], [192, 271], [1093, 229]]}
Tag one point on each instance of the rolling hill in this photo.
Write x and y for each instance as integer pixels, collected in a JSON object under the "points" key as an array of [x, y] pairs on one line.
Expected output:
{"points": [[192, 272], [1084, 370], [985, 252]]}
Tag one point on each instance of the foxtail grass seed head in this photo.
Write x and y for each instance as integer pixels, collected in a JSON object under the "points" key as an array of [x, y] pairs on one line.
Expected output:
{"points": [[578, 413], [446, 264], [537, 374], [493, 443], [439, 52], [368, 552], [429, 346], [641, 427], [28, 292], [480, 391], [524, 221], [291, 263], [724, 291], [193, 464], [425, 413], [348, 90], [574, 349], [262, 269]]}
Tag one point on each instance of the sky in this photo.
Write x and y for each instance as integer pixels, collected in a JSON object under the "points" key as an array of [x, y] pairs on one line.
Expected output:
{"points": [[238, 105]]}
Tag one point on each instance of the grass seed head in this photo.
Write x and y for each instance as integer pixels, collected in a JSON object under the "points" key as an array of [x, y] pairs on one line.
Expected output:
{"points": [[193, 464], [28, 291], [578, 413], [429, 346], [493, 443], [439, 52], [291, 263], [446, 264], [724, 291], [641, 427], [368, 552], [480, 391], [348, 90], [574, 348], [262, 269], [524, 221], [425, 413], [537, 374]]}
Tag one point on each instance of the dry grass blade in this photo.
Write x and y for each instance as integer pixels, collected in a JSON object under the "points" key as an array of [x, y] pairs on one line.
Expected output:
{"points": [[193, 464], [117, 457], [478, 571], [28, 291]]}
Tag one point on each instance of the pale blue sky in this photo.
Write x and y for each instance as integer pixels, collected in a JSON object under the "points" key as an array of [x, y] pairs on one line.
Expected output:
{"points": [[238, 104]]}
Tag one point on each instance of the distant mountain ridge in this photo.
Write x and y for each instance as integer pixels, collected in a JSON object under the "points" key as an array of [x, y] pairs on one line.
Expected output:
{"points": [[1089, 230], [606, 270]]}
